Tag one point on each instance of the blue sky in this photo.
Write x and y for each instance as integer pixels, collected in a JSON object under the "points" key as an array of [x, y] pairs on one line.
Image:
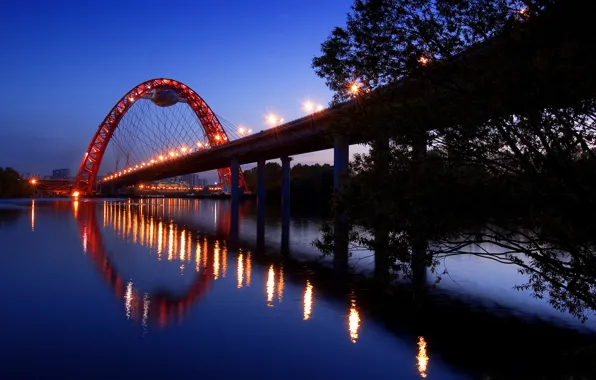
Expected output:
{"points": [[65, 64]]}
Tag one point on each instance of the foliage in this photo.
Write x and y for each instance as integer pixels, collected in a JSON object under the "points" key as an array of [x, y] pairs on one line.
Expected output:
{"points": [[518, 159], [385, 40], [310, 184], [11, 184]]}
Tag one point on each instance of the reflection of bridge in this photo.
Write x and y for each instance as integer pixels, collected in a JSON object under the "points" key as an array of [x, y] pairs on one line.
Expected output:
{"points": [[164, 236], [140, 224], [148, 225]]}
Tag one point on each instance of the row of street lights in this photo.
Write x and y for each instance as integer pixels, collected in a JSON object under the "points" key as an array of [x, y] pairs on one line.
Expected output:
{"points": [[310, 107], [174, 154]]}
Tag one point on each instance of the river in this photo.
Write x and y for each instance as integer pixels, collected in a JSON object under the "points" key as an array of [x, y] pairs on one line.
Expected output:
{"points": [[122, 288]]}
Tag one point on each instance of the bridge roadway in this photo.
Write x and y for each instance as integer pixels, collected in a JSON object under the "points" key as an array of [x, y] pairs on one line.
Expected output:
{"points": [[489, 70], [304, 135]]}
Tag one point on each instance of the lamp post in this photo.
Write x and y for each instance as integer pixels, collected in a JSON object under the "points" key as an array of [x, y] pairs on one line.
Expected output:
{"points": [[33, 183]]}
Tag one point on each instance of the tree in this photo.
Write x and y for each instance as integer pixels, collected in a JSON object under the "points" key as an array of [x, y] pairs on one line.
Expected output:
{"points": [[311, 185], [528, 149], [385, 40], [11, 184]]}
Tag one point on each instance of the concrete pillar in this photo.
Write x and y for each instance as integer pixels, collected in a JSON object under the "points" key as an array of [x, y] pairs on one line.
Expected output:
{"points": [[341, 160], [381, 224], [285, 201], [419, 265], [235, 198], [261, 203], [419, 241]]}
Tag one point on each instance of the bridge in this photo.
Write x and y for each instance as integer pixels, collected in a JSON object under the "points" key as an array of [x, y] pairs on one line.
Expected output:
{"points": [[162, 128]]}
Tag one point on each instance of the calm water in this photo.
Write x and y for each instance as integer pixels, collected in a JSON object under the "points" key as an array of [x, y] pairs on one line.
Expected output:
{"points": [[115, 289]]}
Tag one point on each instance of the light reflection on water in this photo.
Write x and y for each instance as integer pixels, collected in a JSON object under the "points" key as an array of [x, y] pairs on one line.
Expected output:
{"points": [[124, 243]]}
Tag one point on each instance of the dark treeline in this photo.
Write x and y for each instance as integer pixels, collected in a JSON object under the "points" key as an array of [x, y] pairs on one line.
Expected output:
{"points": [[311, 185], [494, 148], [11, 184]]}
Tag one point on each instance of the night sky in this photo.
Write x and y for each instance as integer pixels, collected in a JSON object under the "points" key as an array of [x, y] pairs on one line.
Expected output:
{"points": [[65, 65]]}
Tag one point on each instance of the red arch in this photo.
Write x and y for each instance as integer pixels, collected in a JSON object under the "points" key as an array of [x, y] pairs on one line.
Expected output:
{"points": [[211, 125], [163, 306]]}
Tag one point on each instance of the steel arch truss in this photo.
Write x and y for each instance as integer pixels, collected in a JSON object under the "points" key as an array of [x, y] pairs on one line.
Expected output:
{"points": [[212, 127]]}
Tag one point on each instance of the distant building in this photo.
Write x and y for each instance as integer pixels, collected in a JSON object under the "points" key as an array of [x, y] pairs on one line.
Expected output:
{"points": [[60, 173], [192, 180]]}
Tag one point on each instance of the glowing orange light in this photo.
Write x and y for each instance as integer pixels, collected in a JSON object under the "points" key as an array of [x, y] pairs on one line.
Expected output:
{"points": [[33, 181], [183, 149], [308, 106], [423, 60], [354, 88], [354, 322], [172, 154], [273, 120], [75, 194], [161, 158], [320, 108], [241, 130], [422, 357], [217, 137]]}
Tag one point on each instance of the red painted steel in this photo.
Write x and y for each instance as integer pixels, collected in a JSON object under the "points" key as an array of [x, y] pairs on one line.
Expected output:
{"points": [[213, 128]]}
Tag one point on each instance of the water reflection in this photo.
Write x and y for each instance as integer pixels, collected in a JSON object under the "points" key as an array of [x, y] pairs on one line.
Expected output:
{"points": [[307, 300], [280, 285], [248, 268], [354, 322], [422, 357], [270, 285], [128, 222], [216, 261], [146, 308], [240, 270], [139, 225], [33, 215]]}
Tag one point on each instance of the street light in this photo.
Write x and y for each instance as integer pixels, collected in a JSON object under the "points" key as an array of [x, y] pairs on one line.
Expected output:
{"points": [[33, 183], [308, 107]]}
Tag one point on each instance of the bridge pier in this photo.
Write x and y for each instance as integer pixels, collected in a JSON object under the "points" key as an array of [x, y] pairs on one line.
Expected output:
{"points": [[285, 202], [381, 149], [419, 241], [341, 160], [261, 203], [234, 198]]}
